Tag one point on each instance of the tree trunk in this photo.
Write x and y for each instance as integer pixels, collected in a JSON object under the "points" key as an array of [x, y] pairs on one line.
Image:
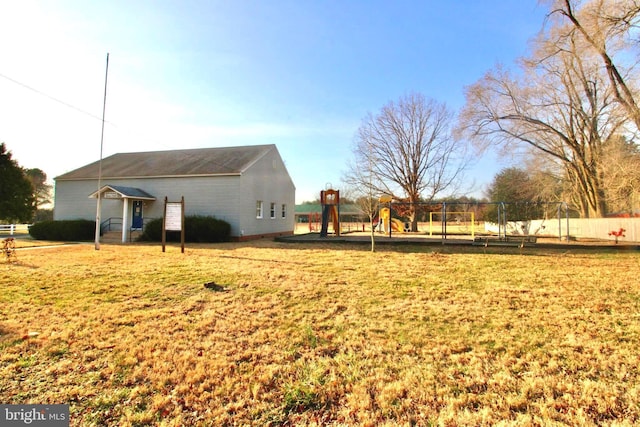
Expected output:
{"points": [[413, 216]]}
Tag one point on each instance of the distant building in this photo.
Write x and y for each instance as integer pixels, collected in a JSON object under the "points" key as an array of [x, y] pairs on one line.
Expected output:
{"points": [[249, 187]]}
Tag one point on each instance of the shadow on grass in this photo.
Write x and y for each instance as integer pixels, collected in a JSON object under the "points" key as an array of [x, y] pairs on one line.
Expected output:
{"points": [[9, 337], [454, 246]]}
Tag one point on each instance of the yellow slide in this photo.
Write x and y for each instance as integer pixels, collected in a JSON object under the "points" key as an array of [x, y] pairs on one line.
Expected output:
{"points": [[396, 224]]}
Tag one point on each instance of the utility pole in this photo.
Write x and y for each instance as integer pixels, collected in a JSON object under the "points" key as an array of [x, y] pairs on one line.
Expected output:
{"points": [[98, 204]]}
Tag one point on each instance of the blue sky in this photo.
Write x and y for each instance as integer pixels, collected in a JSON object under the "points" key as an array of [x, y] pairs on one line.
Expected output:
{"points": [[189, 74]]}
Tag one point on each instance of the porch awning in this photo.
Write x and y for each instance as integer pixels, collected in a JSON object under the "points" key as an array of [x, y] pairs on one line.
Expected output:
{"points": [[120, 192]]}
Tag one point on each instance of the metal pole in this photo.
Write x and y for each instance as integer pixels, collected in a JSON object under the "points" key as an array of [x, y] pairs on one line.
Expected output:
{"points": [[338, 212], [499, 221], [559, 222], [566, 211], [443, 223], [182, 232], [98, 204], [389, 225], [164, 224], [502, 220]]}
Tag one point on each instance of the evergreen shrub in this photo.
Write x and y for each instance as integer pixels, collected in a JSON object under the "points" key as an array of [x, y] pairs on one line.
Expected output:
{"points": [[197, 229], [66, 230]]}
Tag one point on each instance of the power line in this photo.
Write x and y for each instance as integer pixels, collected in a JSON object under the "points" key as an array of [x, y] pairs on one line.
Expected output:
{"points": [[66, 104], [39, 92]]}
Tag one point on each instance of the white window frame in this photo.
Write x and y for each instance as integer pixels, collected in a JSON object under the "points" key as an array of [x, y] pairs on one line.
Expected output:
{"points": [[259, 211], [284, 211], [272, 210]]}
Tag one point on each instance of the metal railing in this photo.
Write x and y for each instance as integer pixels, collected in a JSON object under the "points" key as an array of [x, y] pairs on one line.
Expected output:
{"points": [[110, 222]]}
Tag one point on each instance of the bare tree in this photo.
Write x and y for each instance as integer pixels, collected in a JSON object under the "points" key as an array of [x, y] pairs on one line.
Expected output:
{"points": [[606, 26], [362, 192], [547, 176], [408, 151], [621, 175], [561, 105]]}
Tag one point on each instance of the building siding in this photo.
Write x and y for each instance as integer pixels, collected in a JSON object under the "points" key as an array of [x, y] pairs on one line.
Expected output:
{"points": [[267, 180], [230, 198]]}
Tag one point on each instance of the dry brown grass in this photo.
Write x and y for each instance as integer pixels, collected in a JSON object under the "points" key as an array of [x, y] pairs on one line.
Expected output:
{"points": [[26, 242], [321, 335]]}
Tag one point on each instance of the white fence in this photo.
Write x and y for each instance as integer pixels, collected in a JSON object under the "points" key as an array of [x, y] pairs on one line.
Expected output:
{"points": [[12, 229], [580, 228]]}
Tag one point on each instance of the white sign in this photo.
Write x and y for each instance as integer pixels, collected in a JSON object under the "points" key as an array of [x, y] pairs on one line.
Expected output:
{"points": [[173, 217]]}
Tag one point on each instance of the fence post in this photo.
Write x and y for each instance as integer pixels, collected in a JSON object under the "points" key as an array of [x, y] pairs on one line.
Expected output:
{"points": [[11, 228]]}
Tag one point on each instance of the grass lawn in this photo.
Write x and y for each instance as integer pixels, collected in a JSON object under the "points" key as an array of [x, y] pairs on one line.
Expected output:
{"points": [[323, 335]]}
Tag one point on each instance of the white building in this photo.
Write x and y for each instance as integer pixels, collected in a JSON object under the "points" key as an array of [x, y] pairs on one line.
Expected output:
{"points": [[249, 187]]}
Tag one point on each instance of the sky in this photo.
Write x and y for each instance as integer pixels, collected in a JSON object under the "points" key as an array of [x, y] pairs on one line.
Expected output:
{"points": [[301, 74]]}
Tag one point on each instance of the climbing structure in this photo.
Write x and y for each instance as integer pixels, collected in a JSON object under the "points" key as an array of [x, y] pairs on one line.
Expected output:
{"points": [[330, 201]]}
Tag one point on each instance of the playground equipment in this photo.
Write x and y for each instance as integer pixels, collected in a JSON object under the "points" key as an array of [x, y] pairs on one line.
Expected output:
{"points": [[617, 234], [315, 221], [330, 201], [386, 219], [461, 222]]}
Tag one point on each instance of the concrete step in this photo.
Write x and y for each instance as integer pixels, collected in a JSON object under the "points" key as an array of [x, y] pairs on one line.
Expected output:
{"points": [[116, 236]]}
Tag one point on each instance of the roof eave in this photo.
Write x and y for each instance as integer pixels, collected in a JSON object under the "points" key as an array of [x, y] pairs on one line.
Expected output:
{"points": [[147, 177]]}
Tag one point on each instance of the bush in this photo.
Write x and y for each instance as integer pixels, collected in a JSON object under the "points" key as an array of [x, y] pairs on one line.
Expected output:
{"points": [[152, 231], [67, 230], [197, 229]]}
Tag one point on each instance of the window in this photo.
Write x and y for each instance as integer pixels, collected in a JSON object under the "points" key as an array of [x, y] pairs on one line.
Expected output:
{"points": [[273, 210], [259, 209], [284, 210]]}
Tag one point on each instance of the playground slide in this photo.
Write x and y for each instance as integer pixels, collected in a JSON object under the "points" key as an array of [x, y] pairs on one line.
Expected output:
{"points": [[330, 213], [396, 224], [336, 222]]}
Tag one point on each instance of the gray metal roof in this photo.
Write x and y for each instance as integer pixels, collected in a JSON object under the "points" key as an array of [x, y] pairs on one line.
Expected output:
{"points": [[201, 161]]}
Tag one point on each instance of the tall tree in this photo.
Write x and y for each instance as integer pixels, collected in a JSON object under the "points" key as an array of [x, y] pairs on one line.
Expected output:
{"points": [[408, 152], [620, 171], [518, 190], [561, 105], [607, 27], [16, 192], [42, 190], [547, 177]]}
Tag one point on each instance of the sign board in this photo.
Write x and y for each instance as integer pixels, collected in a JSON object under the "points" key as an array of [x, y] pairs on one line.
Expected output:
{"points": [[111, 195], [173, 217], [173, 220]]}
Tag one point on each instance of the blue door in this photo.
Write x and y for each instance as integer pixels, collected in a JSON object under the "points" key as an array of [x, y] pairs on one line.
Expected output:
{"points": [[136, 221]]}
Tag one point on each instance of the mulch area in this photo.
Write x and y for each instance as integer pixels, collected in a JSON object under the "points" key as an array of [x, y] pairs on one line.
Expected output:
{"points": [[425, 239]]}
